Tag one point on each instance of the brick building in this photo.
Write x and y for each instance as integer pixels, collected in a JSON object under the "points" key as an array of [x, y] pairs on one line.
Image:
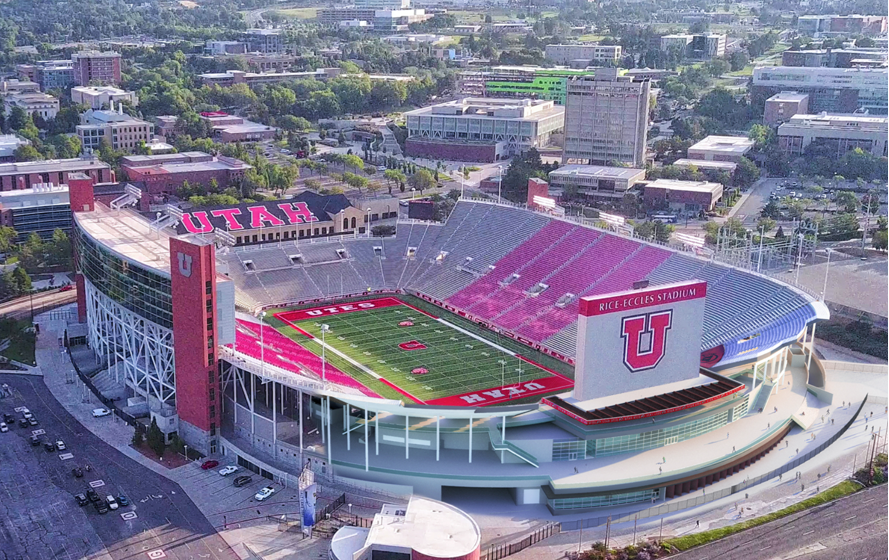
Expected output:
{"points": [[781, 106], [25, 175], [96, 67], [162, 175]]}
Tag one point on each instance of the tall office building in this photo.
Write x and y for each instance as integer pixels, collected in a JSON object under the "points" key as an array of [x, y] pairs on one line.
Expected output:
{"points": [[606, 119]]}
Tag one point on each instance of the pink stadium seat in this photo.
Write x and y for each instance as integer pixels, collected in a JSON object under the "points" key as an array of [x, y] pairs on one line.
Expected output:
{"points": [[282, 352]]}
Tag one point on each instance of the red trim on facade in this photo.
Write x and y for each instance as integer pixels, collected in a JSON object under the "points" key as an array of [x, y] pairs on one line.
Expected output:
{"points": [[499, 395], [641, 299], [402, 391], [335, 309]]}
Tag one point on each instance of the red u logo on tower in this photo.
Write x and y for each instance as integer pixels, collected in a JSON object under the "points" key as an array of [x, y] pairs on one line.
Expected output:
{"points": [[639, 357]]}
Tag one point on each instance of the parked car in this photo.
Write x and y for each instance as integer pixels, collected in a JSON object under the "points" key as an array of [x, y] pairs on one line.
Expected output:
{"points": [[123, 500], [49, 446], [101, 506], [9, 418], [112, 502], [207, 465], [243, 481], [92, 496], [23, 422], [67, 288], [264, 494], [81, 499], [35, 441], [77, 472], [26, 414], [225, 471], [60, 445], [32, 421], [100, 412], [3, 427]]}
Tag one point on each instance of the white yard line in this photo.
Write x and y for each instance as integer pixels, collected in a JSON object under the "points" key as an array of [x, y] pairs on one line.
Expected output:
{"points": [[477, 337]]}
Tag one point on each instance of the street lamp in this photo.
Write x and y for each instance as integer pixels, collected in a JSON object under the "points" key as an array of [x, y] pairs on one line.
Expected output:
{"points": [[262, 341], [500, 182], [462, 178], [412, 192], [324, 328], [368, 222], [799, 257]]}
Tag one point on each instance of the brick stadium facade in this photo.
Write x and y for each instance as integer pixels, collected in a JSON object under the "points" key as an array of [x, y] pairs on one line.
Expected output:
{"points": [[451, 151]]}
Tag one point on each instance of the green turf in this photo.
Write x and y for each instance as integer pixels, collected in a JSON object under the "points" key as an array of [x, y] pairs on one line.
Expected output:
{"points": [[457, 362]]}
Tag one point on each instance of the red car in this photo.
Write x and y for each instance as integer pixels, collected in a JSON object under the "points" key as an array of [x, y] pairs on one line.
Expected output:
{"points": [[209, 464], [67, 288]]}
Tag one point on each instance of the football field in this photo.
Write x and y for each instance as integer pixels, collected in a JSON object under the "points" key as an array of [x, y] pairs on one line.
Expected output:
{"points": [[425, 358]]}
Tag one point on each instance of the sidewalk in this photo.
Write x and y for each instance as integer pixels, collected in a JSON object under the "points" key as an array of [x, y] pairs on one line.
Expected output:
{"points": [[245, 539]]}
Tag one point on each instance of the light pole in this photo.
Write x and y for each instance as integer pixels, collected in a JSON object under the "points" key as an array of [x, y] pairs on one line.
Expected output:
{"points": [[826, 272], [368, 222], [499, 182], [799, 257], [412, 192], [462, 178], [762, 234], [262, 341], [324, 328]]}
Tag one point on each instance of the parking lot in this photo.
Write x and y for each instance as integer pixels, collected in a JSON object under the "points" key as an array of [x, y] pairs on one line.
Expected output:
{"points": [[39, 517]]}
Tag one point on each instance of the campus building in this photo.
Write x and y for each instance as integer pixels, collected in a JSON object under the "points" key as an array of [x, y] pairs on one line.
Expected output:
{"points": [[225, 47], [95, 67], [828, 25], [35, 104], [831, 90], [685, 197], [721, 148], [841, 132], [593, 182], [583, 55], [120, 130], [9, 143], [101, 97], [521, 82], [161, 175], [835, 58], [266, 41], [229, 128], [481, 129], [781, 106], [699, 47], [231, 77], [30, 174], [606, 119], [41, 209]]}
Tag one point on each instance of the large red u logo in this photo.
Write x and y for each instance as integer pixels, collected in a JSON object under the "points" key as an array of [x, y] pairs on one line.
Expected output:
{"points": [[639, 357]]}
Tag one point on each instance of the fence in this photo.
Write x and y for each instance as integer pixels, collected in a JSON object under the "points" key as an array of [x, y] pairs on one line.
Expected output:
{"points": [[110, 404], [503, 550], [719, 494], [331, 507]]}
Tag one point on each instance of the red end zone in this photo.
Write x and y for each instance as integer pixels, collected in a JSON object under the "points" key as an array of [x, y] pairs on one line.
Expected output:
{"points": [[502, 395], [328, 310]]}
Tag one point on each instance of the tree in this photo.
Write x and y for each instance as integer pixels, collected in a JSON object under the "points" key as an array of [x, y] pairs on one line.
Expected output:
{"points": [[738, 60], [138, 437], [21, 280], [27, 152], [396, 177], [421, 180], [353, 161], [847, 200], [18, 118], [880, 240], [771, 210], [766, 225], [746, 173], [156, 438], [762, 136], [294, 124], [7, 238], [488, 18]]}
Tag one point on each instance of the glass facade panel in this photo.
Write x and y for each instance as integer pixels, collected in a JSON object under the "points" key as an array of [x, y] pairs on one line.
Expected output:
{"points": [[601, 501], [659, 438], [137, 289], [569, 450]]}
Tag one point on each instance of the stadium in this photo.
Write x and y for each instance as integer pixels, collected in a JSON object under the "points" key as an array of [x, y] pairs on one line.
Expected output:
{"points": [[505, 348]]}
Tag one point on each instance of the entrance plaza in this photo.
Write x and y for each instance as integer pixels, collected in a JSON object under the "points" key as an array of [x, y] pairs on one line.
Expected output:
{"points": [[792, 425]]}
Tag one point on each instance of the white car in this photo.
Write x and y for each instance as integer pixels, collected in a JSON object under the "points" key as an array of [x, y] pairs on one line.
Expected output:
{"points": [[3, 427], [100, 412], [112, 502], [60, 445], [225, 471], [264, 493]]}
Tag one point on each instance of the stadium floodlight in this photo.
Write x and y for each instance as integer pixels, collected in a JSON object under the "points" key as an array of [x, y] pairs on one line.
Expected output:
{"points": [[224, 238], [690, 240], [174, 212], [133, 191], [612, 219], [324, 328]]}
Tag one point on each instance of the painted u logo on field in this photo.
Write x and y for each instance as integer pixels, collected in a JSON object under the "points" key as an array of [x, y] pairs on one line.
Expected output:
{"points": [[636, 357]]}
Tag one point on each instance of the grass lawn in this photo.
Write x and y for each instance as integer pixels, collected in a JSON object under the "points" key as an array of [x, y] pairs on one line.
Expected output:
{"points": [[456, 362], [21, 345], [299, 13], [704, 537], [591, 37], [746, 71]]}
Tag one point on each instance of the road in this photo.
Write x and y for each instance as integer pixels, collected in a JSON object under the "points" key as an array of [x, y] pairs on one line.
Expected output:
{"points": [[20, 308], [852, 528], [40, 519]]}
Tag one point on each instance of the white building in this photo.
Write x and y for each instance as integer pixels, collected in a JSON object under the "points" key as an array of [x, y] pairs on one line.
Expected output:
{"points": [[841, 132], [40, 104], [9, 143], [122, 131], [700, 47], [606, 119], [383, 4], [508, 126], [721, 148], [831, 90], [593, 52], [99, 97], [594, 182]]}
